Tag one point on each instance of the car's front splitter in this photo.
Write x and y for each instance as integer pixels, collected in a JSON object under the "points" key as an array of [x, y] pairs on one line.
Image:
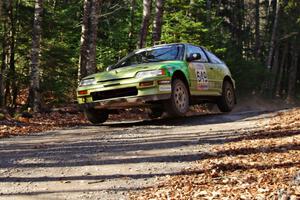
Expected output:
{"points": [[125, 102]]}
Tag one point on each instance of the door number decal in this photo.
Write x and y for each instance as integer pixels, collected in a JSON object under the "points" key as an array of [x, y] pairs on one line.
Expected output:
{"points": [[202, 78]]}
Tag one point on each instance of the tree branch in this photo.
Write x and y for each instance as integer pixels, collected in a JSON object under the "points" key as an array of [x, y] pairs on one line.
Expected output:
{"points": [[112, 12], [289, 35]]}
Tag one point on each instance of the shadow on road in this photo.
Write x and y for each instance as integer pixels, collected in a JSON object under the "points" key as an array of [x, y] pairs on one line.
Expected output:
{"points": [[183, 158]]}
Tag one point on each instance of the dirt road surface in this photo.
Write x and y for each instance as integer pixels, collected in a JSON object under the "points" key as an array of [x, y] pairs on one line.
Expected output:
{"points": [[110, 160]]}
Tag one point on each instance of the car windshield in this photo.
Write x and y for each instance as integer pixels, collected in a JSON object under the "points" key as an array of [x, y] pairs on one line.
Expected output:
{"points": [[154, 54]]}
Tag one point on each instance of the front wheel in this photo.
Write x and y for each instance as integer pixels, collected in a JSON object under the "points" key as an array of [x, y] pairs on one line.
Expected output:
{"points": [[227, 101], [96, 116], [178, 104]]}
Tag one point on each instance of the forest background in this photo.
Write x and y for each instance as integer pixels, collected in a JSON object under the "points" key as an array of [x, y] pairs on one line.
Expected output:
{"points": [[47, 46]]}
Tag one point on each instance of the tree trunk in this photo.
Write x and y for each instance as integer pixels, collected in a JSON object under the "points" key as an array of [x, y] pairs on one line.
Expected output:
{"points": [[273, 37], [15, 87], [12, 70], [131, 45], [34, 90], [9, 84], [4, 54], [208, 8], [281, 70], [219, 7], [92, 65], [89, 28], [158, 20], [84, 40], [274, 71], [145, 23], [1, 7], [257, 30], [237, 19], [293, 76], [2, 73]]}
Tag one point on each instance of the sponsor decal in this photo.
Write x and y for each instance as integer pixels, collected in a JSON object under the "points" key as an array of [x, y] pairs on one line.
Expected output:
{"points": [[201, 75], [165, 88]]}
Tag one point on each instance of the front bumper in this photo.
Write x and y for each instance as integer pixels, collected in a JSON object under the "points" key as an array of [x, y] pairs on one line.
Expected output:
{"points": [[106, 96], [126, 102]]}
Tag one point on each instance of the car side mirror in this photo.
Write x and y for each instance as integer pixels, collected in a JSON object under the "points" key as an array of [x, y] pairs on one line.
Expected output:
{"points": [[194, 56], [109, 68]]}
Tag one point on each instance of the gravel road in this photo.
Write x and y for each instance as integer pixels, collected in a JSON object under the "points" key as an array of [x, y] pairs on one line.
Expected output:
{"points": [[110, 160]]}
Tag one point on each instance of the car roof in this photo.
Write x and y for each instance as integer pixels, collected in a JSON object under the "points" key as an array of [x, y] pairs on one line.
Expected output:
{"points": [[166, 44], [160, 45]]}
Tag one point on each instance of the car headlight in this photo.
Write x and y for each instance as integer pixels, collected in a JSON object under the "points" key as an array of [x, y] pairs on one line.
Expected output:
{"points": [[87, 82], [150, 73]]}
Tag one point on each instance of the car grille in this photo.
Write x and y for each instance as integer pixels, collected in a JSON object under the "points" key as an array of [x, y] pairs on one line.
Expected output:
{"points": [[123, 92]]}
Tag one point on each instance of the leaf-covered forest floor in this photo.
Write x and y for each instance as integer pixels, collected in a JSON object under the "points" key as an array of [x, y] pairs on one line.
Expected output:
{"points": [[264, 164], [63, 118], [39, 123]]}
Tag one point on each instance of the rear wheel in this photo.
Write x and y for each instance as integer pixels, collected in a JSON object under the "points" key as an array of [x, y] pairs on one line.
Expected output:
{"points": [[178, 104], [96, 116], [227, 101]]}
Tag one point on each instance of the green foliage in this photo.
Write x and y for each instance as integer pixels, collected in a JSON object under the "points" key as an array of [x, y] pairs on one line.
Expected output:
{"points": [[184, 21], [252, 80], [113, 36], [59, 72], [60, 52]]}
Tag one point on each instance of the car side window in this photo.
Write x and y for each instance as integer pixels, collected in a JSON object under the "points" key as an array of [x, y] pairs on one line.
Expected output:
{"points": [[193, 49], [213, 59]]}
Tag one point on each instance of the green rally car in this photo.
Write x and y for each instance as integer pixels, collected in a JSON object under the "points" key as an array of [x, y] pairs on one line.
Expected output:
{"points": [[166, 78]]}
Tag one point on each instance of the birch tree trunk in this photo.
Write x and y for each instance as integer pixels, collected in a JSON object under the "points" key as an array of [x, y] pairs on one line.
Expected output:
{"points": [[84, 53], [89, 28], [158, 20], [145, 22], [34, 90]]}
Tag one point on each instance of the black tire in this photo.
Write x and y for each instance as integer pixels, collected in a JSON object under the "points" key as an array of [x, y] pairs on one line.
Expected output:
{"points": [[155, 112], [96, 116], [227, 101], [178, 104]]}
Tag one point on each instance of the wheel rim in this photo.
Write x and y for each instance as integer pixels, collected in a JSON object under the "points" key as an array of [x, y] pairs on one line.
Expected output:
{"points": [[180, 98], [229, 96]]}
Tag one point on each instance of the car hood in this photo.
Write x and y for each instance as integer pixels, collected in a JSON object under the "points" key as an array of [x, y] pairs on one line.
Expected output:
{"points": [[126, 72]]}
